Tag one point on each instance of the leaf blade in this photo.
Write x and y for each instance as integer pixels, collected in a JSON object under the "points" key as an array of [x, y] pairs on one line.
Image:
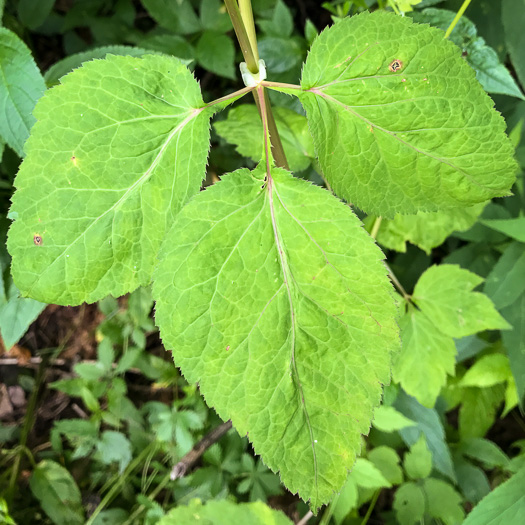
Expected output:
{"points": [[263, 307]]}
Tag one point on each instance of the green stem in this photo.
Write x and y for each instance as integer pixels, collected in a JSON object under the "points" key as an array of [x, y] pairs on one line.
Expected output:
{"points": [[119, 481], [375, 227], [242, 35], [371, 507], [28, 425], [245, 7], [236, 94], [459, 14]]}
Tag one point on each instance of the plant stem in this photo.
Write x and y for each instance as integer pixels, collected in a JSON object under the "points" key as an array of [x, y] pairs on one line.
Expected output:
{"points": [[375, 227], [245, 7], [459, 14], [269, 84], [306, 518], [242, 35], [397, 284], [245, 30], [371, 507], [180, 469], [239, 93], [28, 425]]}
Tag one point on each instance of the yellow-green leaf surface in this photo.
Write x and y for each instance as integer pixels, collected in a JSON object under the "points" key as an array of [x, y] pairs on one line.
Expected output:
{"points": [[21, 85], [224, 513], [444, 293], [447, 308], [426, 229], [275, 300], [119, 147], [399, 122]]}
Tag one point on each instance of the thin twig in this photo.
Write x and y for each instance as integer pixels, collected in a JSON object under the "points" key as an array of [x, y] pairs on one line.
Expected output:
{"points": [[306, 518], [459, 14], [180, 469]]}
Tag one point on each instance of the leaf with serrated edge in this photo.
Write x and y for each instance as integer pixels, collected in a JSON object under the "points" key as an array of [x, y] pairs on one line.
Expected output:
{"points": [[423, 137], [427, 356], [444, 293], [118, 149], [275, 300]]}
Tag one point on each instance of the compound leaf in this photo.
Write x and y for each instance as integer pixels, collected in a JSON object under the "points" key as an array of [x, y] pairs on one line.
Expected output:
{"points": [[273, 298], [444, 293], [399, 122], [21, 85], [118, 149]]}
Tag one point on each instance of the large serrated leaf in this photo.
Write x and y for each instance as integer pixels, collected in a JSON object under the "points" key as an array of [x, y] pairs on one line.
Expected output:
{"points": [[273, 298], [399, 122], [118, 148]]}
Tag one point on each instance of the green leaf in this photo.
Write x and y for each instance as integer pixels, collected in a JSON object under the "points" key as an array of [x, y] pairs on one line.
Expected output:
{"points": [[388, 419], [181, 20], [409, 504], [490, 72], [243, 128], [504, 505], [276, 279], [57, 492], [387, 461], [68, 64], [427, 356], [485, 451], [489, 370], [367, 475], [472, 481], [430, 425], [512, 17], [514, 228], [418, 460], [16, 315], [214, 16], [224, 513], [478, 410], [505, 282], [444, 293], [426, 229], [216, 53], [32, 13], [21, 85], [114, 447], [281, 24], [443, 502], [423, 137], [345, 501], [119, 148], [514, 342]]}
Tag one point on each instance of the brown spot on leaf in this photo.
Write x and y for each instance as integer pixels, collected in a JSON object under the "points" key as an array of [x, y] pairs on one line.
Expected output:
{"points": [[395, 65], [37, 239]]}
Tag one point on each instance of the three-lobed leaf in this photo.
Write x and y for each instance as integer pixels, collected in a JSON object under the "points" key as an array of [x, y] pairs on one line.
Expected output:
{"points": [[399, 122], [272, 296], [118, 149]]}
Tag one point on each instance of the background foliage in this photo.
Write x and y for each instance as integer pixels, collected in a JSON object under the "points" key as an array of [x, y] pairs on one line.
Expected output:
{"points": [[93, 413]]}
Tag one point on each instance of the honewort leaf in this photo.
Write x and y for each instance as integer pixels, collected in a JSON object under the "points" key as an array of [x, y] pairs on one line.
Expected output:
{"points": [[399, 122], [119, 148], [444, 293], [273, 298]]}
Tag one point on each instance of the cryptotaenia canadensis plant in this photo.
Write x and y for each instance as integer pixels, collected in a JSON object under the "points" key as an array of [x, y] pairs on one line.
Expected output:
{"points": [[269, 292]]}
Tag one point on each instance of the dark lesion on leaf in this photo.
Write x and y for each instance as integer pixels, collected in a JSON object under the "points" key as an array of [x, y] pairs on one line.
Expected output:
{"points": [[395, 65], [37, 239]]}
